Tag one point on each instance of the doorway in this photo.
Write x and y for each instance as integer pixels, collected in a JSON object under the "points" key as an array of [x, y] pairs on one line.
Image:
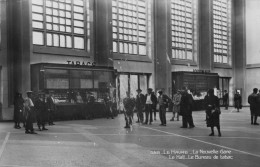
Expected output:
{"points": [[223, 85]]}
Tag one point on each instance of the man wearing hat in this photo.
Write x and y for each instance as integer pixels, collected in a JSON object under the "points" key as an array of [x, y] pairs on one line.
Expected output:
{"points": [[51, 107], [29, 109], [150, 101], [140, 105], [163, 101]]}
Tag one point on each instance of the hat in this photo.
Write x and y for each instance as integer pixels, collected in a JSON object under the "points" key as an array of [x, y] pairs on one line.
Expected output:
{"points": [[160, 90], [150, 89], [139, 90]]}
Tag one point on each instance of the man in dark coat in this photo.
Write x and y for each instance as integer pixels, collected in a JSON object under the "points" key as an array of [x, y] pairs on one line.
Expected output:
{"points": [[252, 100], [18, 109], [186, 109], [212, 111], [225, 99], [51, 107], [150, 102], [140, 105], [163, 101], [238, 101], [40, 108]]}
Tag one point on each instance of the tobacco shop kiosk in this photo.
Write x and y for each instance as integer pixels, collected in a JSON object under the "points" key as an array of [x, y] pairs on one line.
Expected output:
{"points": [[79, 91], [198, 82]]}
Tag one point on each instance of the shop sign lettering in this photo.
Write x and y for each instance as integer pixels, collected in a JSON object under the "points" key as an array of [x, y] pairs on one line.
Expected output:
{"points": [[81, 63], [201, 71]]}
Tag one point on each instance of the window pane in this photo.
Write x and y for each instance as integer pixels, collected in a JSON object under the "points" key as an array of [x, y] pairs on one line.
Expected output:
{"points": [[56, 39], [37, 2], [62, 40], [142, 50], [78, 16], [37, 9], [79, 43], [78, 2], [49, 39], [37, 24], [37, 17], [38, 38], [68, 42], [79, 30], [78, 23], [114, 46], [78, 9]]}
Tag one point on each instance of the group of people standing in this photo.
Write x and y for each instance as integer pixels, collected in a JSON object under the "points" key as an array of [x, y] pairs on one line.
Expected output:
{"points": [[181, 105], [33, 107]]}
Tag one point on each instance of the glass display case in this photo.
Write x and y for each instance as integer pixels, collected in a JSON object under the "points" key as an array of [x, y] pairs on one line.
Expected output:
{"points": [[198, 84], [74, 85]]}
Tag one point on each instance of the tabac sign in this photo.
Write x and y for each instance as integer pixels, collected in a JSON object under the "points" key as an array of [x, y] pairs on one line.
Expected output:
{"points": [[81, 63]]}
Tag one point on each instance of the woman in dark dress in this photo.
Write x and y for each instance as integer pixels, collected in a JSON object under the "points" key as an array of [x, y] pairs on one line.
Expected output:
{"points": [[212, 112]]}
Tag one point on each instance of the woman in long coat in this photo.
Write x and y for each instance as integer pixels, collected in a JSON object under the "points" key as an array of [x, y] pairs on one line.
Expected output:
{"points": [[212, 112]]}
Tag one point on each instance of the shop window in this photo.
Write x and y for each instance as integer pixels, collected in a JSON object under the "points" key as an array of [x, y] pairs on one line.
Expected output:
{"points": [[133, 85], [123, 82]]}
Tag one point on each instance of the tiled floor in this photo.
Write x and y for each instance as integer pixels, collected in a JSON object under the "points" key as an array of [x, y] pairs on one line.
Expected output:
{"points": [[105, 143]]}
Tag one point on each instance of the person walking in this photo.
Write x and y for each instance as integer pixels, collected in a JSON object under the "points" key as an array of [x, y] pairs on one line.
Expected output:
{"points": [[129, 105], [212, 112], [176, 100], [186, 105], [29, 113], [140, 105], [252, 100], [51, 108], [163, 101], [150, 102], [18, 110], [238, 101], [225, 99]]}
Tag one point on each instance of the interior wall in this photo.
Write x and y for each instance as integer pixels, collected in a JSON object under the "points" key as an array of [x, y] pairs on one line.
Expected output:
{"points": [[252, 31]]}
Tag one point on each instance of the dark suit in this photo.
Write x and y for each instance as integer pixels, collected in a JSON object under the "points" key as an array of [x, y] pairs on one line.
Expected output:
{"points": [[140, 105], [163, 101], [149, 108], [186, 110], [51, 107], [225, 100]]}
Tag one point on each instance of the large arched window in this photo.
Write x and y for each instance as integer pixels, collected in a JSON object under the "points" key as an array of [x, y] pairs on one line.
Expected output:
{"points": [[184, 28], [61, 23], [222, 31], [131, 26]]}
